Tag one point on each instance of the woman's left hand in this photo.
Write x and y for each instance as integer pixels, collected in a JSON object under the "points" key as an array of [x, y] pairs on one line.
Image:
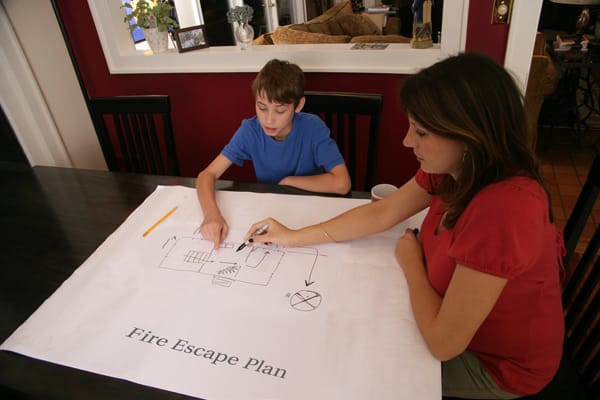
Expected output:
{"points": [[409, 251]]}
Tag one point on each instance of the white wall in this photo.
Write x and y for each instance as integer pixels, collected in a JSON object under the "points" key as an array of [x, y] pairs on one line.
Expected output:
{"points": [[45, 104]]}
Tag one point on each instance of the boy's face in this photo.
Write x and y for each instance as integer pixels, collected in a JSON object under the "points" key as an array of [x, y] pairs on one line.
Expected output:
{"points": [[275, 118]]}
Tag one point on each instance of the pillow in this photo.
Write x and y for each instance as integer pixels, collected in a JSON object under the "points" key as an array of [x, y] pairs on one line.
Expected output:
{"points": [[335, 11], [263, 39], [330, 27], [357, 25], [283, 35], [297, 27], [380, 39]]}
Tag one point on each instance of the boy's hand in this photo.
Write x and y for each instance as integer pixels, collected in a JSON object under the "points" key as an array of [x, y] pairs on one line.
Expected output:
{"points": [[214, 229]]}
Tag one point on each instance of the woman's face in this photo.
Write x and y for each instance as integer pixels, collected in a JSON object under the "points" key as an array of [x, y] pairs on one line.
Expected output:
{"points": [[437, 154]]}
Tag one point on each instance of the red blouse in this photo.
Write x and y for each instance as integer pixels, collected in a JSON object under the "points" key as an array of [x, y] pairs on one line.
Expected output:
{"points": [[505, 231]]}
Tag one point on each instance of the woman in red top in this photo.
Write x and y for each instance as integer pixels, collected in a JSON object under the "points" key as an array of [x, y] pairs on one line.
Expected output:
{"points": [[484, 272]]}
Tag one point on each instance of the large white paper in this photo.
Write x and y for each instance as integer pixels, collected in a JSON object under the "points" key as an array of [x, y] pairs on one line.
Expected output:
{"points": [[330, 321]]}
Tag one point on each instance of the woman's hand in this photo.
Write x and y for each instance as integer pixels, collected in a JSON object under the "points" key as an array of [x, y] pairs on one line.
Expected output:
{"points": [[409, 252], [276, 233]]}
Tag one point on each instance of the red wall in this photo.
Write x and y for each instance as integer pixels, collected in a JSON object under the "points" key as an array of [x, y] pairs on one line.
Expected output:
{"points": [[208, 108]]}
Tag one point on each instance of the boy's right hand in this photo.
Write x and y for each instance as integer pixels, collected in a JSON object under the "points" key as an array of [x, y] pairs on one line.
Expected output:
{"points": [[214, 229]]}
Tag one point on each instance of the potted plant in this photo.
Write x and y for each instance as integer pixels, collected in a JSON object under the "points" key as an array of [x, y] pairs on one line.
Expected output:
{"points": [[240, 16], [154, 17]]}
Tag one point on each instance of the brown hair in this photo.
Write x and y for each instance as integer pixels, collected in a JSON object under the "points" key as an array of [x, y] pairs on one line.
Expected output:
{"points": [[281, 81], [472, 99]]}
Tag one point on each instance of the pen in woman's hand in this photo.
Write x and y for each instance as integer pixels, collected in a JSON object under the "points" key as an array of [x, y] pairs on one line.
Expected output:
{"points": [[257, 232]]}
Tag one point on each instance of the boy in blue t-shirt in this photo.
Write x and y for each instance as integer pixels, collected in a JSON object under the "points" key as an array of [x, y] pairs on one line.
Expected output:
{"points": [[287, 147]]}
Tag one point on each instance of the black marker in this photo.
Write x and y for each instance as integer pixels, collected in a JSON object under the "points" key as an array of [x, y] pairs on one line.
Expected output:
{"points": [[257, 232]]}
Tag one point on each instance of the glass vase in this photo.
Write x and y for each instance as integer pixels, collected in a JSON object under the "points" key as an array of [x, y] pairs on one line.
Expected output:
{"points": [[244, 34]]}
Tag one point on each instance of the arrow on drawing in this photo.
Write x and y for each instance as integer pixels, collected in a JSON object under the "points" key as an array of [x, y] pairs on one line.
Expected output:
{"points": [[310, 281]]}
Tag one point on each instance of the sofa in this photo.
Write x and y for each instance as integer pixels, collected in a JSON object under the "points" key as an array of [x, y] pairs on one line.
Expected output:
{"points": [[339, 24]]}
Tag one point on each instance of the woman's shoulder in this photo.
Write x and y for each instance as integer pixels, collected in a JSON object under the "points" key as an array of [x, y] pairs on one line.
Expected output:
{"points": [[521, 187], [515, 197]]}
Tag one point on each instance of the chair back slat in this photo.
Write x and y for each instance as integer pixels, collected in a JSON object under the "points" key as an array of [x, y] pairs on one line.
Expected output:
{"points": [[581, 288], [346, 114], [136, 133]]}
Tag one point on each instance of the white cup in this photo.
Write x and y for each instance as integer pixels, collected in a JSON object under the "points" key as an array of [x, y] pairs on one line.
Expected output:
{"points": [[382, 190]]}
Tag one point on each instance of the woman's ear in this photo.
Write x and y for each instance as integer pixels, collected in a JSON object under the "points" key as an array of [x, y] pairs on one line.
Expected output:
{"points": [[300, 105]]}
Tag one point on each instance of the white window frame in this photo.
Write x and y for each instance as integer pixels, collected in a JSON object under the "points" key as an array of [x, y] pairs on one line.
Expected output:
{"points": [[123, 58]]}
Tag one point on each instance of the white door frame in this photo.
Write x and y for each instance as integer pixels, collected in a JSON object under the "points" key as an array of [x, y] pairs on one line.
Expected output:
{"points": [[24, 104]]}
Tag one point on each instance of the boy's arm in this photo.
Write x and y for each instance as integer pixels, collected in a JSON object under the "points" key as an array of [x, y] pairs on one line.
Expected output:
{"points": [[213, 227], [335, 181]]}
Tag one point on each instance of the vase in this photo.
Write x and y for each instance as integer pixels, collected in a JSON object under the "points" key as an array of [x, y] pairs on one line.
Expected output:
{"points": [[157, 40], [421, 32], [244, 34]]}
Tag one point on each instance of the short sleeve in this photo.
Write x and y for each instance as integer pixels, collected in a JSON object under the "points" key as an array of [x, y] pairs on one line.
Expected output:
{"points": [[428, 181], [327, 153], [423, 180], [237, 150], [502, 229]]}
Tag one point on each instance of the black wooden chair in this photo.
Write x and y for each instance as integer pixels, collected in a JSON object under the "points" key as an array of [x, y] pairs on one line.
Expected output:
{"points": [[135, 133], [579, 373], [354, 120]]}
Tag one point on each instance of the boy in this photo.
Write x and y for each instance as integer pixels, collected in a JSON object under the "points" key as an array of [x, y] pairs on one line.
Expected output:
{"points": [[287, 147]]}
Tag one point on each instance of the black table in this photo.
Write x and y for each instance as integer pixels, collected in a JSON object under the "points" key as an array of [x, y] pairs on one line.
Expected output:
{"points": [[51, 220]]}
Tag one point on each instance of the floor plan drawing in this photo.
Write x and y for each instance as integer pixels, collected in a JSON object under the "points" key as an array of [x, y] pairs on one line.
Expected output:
{"points": [[255, 265]]}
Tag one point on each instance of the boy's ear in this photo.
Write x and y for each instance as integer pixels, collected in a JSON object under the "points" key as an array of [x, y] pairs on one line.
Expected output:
{"points": [[300, 105]]}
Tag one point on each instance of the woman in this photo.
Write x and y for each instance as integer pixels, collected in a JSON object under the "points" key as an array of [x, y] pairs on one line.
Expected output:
{"points": [[484, 271]]}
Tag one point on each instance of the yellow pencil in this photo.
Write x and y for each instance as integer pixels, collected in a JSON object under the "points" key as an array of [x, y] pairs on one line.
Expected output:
{"points": [[159, 221]]}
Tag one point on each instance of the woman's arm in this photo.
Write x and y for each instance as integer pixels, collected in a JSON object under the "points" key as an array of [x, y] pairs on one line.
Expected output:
{"points": [[359, 222], [449, 323]]}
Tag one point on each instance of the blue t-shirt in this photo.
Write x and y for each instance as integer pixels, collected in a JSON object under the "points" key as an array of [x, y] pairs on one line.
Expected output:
{"points": [[307, 150]]}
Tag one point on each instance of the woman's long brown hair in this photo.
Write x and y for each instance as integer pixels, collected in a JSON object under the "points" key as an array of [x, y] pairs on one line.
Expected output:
{"points": [[472, 99]]}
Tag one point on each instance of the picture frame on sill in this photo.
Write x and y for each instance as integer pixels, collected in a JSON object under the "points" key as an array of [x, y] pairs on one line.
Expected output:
{"points": [[191, 38]]}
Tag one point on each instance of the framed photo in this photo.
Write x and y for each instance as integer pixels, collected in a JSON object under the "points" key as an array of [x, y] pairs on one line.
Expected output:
{"points": [[191, 38]]}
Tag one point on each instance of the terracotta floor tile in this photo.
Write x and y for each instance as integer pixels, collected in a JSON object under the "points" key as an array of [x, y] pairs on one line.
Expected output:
{"points": [[568, 170], [570, 166], [569, 189]]}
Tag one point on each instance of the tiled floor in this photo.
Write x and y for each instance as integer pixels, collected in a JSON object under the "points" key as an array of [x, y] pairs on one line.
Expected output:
{"points": [[565, 167]]}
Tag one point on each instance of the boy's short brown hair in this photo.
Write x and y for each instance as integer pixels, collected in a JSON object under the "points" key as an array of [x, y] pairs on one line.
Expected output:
{"points": [[281, 81]]}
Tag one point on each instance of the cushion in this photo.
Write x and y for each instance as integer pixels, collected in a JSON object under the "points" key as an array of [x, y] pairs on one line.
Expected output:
{"points": [[263, 39], [283, 35], [357, 25], [335, 11], [380, 39], [329, 27], [327, 22], [298, 27]]}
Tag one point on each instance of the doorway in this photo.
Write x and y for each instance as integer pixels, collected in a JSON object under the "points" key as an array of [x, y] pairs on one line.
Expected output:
{"points": [[10, 149]]}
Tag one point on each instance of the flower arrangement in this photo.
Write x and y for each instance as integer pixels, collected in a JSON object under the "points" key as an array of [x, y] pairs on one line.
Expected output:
{"points": [[150, 14], [240, 14]]}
